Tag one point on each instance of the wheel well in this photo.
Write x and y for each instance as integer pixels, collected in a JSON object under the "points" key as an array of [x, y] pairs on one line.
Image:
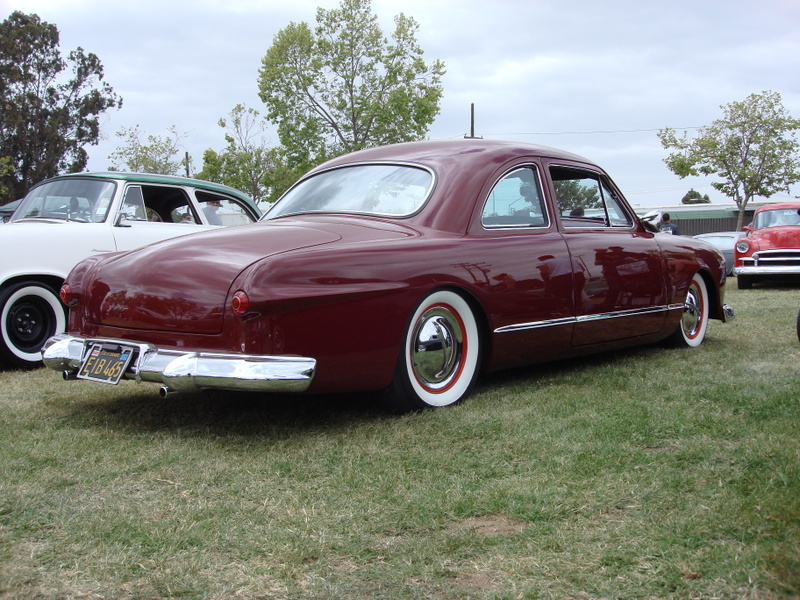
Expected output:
{"points": [[51, 281], [480, 318]]}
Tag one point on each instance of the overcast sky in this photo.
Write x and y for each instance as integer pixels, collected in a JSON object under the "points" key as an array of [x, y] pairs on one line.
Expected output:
{"points": [[594, 77]]}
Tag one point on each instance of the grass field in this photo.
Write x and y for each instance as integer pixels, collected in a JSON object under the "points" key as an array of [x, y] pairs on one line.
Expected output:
{"points": [[648, 473]]}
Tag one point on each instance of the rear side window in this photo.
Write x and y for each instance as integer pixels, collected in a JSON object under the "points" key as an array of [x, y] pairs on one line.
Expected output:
{"points": [[585, 199], [516, 201]]}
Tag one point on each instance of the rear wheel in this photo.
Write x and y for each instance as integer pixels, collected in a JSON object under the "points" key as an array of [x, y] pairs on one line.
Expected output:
{"points": [[30, 312], [692, 329], [439, 357]]}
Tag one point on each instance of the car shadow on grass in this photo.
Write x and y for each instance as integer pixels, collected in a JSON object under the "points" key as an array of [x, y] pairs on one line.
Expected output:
{"points": [[222, 413], [139, 408]]}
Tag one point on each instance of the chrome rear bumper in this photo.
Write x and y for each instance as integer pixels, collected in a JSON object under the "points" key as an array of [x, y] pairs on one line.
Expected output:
{"points": [[181, 371]]}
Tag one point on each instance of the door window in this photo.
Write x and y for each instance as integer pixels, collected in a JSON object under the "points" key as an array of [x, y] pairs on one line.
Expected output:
{"points": [[585, 199]]}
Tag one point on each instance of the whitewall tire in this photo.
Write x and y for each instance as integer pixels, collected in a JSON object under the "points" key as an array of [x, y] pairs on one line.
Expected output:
{"points": [[694, 321], [31, 313], [440, 354]]}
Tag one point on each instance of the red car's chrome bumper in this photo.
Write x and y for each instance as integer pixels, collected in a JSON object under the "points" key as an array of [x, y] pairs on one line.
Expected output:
{"points": [[184, 371]]}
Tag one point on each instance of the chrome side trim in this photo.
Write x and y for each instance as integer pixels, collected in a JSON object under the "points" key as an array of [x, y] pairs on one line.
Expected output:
{"points": [[535, 325], [587, 318], [633, 312], [190, 371]]}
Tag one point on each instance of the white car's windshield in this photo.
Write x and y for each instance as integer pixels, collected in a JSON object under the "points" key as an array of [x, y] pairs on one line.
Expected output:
{"points": [[384, 190], [83, 200], [777, 217]]}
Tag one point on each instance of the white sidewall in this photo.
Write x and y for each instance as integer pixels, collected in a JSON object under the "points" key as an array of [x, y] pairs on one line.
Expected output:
{"points": [[461, 385], [697, 339], [50, 298]]}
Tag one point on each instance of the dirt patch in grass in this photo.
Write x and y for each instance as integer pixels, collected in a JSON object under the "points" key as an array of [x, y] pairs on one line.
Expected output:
{"points": [[493, 525]]}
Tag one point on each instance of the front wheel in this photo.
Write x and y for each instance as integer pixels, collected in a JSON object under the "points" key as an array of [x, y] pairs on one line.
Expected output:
{"points": [[30, 313], [439, 356], [692, 329]]}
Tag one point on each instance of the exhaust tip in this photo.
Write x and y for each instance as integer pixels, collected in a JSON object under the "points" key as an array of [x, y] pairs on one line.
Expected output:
{"points": [[68, 375], [165, 392]]}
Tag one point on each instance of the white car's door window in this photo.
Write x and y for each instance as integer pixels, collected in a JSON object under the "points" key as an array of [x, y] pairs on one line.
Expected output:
{"points": [[222, 210], [133, 204]]}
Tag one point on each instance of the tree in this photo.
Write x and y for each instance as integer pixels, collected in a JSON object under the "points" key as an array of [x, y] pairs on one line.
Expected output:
{"points": [[46, 118], [5, 169], [344, 86], [752, 149], [158, 155], [573, 195], [694, 197], [247, 163]]}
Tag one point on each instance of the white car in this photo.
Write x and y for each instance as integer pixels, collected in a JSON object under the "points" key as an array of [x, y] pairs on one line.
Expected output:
{"points": [[67, 218]]}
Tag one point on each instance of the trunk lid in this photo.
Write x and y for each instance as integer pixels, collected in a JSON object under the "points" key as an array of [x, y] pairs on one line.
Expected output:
{"points": [[182, 284]]}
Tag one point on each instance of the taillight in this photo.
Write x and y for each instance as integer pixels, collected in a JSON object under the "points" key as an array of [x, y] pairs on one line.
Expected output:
{"points": [[240, 303], [66, 295]]}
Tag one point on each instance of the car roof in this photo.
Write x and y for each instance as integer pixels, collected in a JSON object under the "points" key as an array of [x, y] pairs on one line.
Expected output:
{"points": [[462, 167], [438, 153], [202, 184], [779, 206]]}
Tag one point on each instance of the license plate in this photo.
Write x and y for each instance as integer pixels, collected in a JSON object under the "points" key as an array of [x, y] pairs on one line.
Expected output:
{"points": [[106, 363]]}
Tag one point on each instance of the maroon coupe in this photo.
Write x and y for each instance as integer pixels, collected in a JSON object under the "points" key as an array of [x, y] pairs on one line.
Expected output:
{"points": [[407, 269]]}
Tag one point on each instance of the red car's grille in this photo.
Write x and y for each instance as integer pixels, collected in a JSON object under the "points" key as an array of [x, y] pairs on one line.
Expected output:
{"points": [[773, 258]]}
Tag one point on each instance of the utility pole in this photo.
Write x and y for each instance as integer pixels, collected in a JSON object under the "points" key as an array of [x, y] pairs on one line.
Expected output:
{"points": [[471, 135]]}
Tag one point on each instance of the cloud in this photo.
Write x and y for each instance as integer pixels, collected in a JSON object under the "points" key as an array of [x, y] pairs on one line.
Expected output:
{"points": [[536, 70]]}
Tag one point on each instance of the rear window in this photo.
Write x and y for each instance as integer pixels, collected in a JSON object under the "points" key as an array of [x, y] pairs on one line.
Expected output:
{"points": [[382, 190]]}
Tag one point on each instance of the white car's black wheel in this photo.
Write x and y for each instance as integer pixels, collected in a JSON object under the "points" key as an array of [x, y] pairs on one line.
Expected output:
{"points": [[30, 313], [440, 354], [692, 329]]}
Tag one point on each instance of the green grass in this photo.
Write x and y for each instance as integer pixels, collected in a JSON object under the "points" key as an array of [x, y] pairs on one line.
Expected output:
{"points": [[648, 473]]}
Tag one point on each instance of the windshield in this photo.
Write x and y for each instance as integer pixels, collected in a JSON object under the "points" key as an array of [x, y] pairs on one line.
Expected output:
{"points": [[777, 217], [83, 200], [384, 190]]}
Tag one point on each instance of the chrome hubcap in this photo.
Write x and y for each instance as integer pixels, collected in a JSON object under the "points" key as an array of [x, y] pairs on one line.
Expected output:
{"points": [[692, 312], [437, 347]]}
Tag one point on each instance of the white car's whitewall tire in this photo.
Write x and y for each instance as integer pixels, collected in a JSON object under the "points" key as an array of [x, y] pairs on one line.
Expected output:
{"points": [[31, 312]]}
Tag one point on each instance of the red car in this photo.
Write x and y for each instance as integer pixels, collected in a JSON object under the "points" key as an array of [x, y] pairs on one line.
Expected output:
{"points": [[408, 269], [771, 249]]}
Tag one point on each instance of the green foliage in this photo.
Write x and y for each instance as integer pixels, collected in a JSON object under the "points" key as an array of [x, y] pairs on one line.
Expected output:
{"points": [[572, 194], [46, 118], [694, 197], [6, 168], [158, 155], [344, 86], [752, 150], [247, 163]]}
